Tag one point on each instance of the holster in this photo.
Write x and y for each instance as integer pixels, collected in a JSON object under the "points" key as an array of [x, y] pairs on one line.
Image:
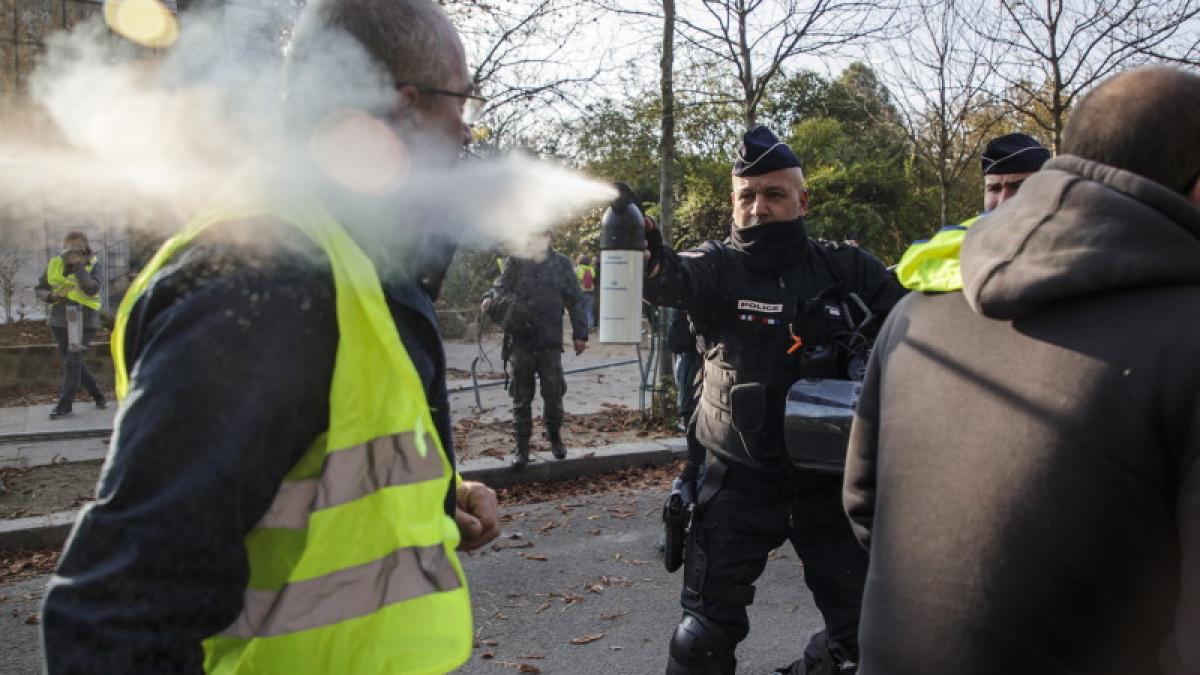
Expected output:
{"points": [[677, 516]]}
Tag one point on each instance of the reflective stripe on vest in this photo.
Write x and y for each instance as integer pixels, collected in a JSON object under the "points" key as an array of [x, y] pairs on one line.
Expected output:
{"points": [[932, 264], [352, 568], [68, 284]]}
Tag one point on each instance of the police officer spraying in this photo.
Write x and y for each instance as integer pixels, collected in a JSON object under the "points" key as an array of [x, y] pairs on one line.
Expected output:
{"points": [[766, 304], [528, 301]]}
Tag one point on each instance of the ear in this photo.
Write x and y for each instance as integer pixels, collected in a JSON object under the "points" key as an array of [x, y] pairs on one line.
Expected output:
{"points": [[406, 99], [1194, 195], [803, 203]]}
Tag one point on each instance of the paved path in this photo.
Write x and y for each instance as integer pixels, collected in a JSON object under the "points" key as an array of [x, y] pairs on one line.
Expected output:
{"points": [[601, 575], [586, 393]]}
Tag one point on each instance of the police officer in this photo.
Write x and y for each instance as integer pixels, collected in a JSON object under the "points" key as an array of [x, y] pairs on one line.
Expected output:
{"points": [[931, 265], [528, 301], [768, 304]]}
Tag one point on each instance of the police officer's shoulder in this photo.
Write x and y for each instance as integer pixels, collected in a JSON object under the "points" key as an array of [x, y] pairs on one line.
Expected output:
{"points": [[840, 250], [705, 249]]}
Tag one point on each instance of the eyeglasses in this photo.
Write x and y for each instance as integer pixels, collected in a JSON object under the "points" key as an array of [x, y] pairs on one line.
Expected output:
{"points": [[471, 107]]}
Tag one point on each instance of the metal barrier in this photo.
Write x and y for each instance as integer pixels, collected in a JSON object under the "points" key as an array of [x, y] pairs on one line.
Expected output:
{"points": [[476, 386], [647, 369]]}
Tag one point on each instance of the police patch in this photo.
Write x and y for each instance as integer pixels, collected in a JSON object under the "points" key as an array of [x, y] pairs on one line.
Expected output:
{"points": [[755, 306]]}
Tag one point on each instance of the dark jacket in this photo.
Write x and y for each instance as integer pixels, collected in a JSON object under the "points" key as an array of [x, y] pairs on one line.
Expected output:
{"points": [[1024, 460], [89, 283], [745, 317], [231, 352], [680, 338], [529, 298]]}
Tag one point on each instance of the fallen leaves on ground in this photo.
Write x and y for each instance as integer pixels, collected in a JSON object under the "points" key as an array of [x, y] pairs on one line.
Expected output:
{"points": [[628, 480], [21, 565], [519, 544], [519, 667], [609, 616], [534, 556], [583, 640]]}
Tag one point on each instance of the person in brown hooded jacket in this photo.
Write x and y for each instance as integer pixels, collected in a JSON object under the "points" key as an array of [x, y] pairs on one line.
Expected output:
{"points": [[1023, 465]]}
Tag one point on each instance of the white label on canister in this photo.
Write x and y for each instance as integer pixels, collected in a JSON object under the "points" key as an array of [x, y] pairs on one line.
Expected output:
{"points": [[621, 297]]}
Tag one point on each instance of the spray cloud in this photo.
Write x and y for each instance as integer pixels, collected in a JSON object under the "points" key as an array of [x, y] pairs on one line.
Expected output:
{"points": [[152, 136]]}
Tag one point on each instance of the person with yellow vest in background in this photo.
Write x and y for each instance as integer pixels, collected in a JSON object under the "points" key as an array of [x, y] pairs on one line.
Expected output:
{"points": [[71, 286], [932, 264], [281, 493], [585, 272]]}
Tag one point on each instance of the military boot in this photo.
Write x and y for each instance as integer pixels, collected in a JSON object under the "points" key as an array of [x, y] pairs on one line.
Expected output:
{"points": [[556, 443], [521, 455]]}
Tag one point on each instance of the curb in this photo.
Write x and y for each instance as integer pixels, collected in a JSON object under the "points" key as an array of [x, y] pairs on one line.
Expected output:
{"points": [[55, 435], [51, 530], [37, 532]]}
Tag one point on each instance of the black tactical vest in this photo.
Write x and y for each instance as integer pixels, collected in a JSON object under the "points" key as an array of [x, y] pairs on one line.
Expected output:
{"points": [[751, 358]]}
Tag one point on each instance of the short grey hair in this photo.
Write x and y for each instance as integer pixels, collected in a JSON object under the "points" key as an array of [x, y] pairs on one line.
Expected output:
{"points": [[408, 37], [352, 53]]}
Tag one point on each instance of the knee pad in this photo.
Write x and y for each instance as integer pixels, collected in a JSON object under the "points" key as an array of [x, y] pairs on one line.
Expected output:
{"points": [[698, 647]]}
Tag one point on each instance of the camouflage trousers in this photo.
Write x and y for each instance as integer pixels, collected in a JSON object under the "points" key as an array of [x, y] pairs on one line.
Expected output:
{"points": [[546, 364]]}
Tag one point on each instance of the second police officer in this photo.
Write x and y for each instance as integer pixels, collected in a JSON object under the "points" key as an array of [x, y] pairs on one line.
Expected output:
{"points": [[768, 304]]}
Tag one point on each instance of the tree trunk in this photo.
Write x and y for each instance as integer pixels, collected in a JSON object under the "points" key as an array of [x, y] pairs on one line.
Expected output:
{"points": [[666, 180], [750, 106]]}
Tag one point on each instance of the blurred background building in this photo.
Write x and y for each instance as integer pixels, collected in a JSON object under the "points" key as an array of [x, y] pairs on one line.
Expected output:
{"points": [[37, 206]]}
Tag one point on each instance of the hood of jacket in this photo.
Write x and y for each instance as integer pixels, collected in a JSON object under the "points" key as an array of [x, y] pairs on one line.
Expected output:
{"points": [[1076, 228]]}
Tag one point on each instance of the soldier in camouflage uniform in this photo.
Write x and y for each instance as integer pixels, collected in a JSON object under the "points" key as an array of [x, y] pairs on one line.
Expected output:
{"points": [[528, 301]]}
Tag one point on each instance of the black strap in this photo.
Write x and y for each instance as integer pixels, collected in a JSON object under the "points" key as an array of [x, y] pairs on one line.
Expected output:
{"points": [[714, 477]]}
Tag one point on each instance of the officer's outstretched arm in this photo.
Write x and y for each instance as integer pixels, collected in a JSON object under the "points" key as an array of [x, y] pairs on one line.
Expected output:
{"points": [[692, 280]]}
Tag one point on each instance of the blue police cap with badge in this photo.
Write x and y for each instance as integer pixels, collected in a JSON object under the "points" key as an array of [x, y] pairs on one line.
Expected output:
{"points": [[1013, 153], [761, 152]]}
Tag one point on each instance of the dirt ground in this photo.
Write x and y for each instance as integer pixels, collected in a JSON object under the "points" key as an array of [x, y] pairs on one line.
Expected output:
{"points": [[41, 490], [24, 394], [614, 424]]}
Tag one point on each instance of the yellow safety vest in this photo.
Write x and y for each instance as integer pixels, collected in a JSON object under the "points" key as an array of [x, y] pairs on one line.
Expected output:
{"points": [[353, 567], [68, 284], [932, 264], [580, 270]]}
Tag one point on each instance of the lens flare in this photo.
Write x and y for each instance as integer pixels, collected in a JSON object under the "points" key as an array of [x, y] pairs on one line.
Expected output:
{"points": [[360, 152], [146, 22]]}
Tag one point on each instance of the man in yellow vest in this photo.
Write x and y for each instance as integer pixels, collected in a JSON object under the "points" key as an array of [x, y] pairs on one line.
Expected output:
{"points": [[932, 264], [585, 272], [71, 287], [280, 496]]}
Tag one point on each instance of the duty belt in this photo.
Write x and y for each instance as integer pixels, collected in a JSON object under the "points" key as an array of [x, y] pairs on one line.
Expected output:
{"points": [[719, 473]]}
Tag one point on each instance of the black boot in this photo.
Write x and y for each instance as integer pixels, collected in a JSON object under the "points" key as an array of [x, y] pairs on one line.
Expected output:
{"points": [[63, 408], [101, 402], [521, 456], [556, 444]]}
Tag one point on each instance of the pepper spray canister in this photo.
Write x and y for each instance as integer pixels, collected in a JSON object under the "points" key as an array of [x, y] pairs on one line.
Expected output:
{"points": [[622, 241]]}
